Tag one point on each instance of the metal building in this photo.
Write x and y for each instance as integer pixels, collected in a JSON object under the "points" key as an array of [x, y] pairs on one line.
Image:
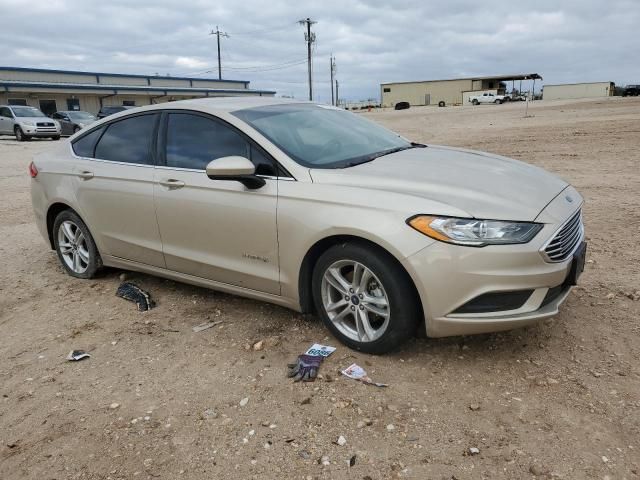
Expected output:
{"points": [[54, 90], [452, 92], [578, 90]]}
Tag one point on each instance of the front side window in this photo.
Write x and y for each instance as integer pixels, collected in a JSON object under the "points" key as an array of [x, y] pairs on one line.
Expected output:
{"points": [[318, 136], [5, 112], [128, 140], [193, 141]]}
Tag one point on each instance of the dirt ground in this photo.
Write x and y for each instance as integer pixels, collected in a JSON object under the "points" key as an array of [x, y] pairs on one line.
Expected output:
{"points": [[156, 400]]}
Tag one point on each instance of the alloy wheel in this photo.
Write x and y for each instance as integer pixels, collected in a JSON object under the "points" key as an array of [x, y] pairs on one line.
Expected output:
{"points": [[73, 247], [355, 301]]}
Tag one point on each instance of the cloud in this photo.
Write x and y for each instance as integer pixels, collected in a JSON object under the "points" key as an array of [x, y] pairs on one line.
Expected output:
{"points": [[374, 41]]}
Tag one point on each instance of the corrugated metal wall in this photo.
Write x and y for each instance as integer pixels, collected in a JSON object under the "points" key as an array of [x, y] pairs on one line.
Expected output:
{"points": [[419, 93], [577, 90]]}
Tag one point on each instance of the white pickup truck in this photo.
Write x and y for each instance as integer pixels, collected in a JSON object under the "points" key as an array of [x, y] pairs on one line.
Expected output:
{"points": [[486, 98]]}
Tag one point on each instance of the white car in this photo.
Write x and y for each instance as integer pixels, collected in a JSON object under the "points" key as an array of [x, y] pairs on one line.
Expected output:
{"points": [[486, 97], [27, 122]]}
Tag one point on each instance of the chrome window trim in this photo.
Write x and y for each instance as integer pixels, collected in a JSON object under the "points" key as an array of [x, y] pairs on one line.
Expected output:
{"points": [[163, 167]]}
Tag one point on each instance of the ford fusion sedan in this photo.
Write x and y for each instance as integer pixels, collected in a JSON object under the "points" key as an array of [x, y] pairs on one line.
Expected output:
{"points": [[72, 121], [316, 209], [26, 123]]}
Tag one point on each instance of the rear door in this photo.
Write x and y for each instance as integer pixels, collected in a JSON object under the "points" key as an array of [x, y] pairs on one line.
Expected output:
{"points": [[215, 229], [114, 185]]}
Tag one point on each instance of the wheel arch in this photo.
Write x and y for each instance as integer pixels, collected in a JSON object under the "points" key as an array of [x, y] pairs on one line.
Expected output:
{"points": [[317, 249], [52, 212]]}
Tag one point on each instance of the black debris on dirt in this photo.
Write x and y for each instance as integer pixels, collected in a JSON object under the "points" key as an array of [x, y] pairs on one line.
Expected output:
{"points": [[133, 293]]}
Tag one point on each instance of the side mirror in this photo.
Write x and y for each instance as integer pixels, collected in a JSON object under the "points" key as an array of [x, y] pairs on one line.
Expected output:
{"points": [[239, 169]]}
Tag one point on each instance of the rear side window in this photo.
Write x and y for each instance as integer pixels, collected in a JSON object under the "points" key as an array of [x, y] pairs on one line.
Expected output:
{"points": [[85, 146], [128, 140], [193, 141]]}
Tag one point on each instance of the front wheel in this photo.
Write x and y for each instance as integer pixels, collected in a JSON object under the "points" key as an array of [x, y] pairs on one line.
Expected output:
{"points": [[57, 137], [20, 136], [75, 246], [365, 298]]}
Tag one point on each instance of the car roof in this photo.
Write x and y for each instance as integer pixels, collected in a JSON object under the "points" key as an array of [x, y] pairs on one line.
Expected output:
{"points": [[223, 104]]}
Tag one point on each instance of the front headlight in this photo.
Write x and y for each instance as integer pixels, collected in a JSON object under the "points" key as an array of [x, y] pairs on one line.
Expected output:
{"points": [[29, 123], [473, 232]]}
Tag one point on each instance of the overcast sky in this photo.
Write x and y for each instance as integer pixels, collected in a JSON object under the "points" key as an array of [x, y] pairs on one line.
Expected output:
{"points": [[373, 41]]}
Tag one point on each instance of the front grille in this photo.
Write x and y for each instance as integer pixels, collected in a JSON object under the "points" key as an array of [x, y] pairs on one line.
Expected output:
{"points": [[566, 240], [45, 124]]}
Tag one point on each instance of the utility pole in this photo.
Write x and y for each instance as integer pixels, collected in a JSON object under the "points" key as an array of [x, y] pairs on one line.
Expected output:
{"points": [[337, 95], [333, 72], [309, 38], [217, 33]]}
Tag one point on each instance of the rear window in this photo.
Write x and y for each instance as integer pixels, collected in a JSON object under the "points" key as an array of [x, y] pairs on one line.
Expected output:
{"points": [[128, 140], [85, 145]]}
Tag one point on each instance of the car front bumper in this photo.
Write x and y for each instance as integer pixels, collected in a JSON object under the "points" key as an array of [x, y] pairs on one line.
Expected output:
{"points": [[449, 277], [35, 131]]}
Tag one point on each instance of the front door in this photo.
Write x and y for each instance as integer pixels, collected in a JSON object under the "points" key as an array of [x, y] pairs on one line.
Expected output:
{"points": [[215, 229], [115, 188], [6, 121]]}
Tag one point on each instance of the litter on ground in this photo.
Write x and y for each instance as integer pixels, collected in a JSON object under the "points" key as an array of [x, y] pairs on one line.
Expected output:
{"points": [[133, 293], [356, 372], [205, 326], [77, 355]]}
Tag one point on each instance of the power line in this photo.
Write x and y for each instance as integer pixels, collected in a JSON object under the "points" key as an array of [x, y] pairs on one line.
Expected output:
{"points": [[268, 29]]}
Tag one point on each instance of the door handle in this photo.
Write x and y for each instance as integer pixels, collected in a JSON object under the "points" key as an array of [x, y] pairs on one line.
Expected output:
{"points": [[172, 183], [86, 175]]}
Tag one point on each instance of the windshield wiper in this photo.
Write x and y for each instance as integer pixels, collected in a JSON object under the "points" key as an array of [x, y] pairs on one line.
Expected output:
{"points": [[373, 156]]}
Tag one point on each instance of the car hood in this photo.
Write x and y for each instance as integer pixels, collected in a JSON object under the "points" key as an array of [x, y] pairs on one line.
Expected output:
{"points": [[33, 119], [483, 185]]}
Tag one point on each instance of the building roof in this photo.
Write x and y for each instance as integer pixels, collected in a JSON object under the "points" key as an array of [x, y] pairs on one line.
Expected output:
{"points": [[106, 74], [499, 78], [6, 84], [577, 83]]}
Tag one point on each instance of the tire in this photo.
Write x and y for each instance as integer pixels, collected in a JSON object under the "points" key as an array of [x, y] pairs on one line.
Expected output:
{"points": [[57, 137], [441, 103], [498, 101], [20, 136], [389, 288], [77, 252], [475, 102]]}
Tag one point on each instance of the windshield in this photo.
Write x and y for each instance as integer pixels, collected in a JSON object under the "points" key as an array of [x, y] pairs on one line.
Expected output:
{"points": [[319, 136], [80, 116], [27, 112]]}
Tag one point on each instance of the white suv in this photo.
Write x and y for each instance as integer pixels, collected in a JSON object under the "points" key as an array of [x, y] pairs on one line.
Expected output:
{"points": [[27, 122]]}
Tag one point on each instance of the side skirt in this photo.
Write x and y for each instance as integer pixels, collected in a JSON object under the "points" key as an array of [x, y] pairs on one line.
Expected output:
{"points": [[201, 282]]}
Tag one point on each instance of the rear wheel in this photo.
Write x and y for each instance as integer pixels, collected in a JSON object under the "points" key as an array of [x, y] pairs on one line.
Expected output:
{"points": [[365, 298], [498, 101], [475, 102], [75, 246]]}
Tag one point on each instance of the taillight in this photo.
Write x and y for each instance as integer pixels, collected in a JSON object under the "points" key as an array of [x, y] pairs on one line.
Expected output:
{"points": [[33, 171]]}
